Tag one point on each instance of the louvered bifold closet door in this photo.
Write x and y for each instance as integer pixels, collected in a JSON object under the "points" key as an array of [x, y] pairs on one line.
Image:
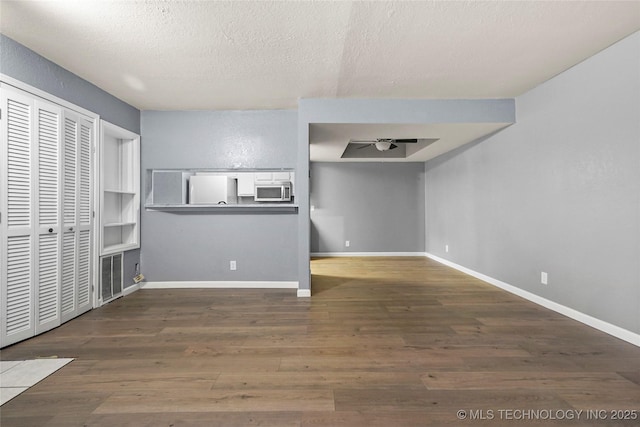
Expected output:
{"points": [[17, 226], [47, 152], [46, 162], [76, 215]]}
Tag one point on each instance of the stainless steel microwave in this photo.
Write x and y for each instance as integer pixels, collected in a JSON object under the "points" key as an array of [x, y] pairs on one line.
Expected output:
{"points": [[278, 191]]}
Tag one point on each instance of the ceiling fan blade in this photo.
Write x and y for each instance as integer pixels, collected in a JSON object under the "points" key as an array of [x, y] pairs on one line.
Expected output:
{"points": [[365, 146], [406, 141], [392, 146], [363, 141]]}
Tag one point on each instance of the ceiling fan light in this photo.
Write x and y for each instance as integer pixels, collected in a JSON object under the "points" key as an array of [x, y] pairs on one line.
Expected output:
{"points": [[383, 145]]}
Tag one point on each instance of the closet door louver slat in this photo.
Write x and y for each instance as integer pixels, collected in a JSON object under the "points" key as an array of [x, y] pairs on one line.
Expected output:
{"points": [[19, 298], [19, 185], [85, 174], [68, 273], [48, 280], [69, 189], [84, 271], [48, 166]]}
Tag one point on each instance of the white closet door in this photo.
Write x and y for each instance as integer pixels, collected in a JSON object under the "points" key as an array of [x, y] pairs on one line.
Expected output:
{"points": [[85, 217], [48, 137], [46, 207], [16, 166], [76, 216]]}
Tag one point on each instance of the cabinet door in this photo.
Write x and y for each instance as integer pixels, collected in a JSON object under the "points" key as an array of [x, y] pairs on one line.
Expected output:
{"points": [[47, 213], [76, 216], [246, 184], [16, 178], [263, 176], [281, 176]]}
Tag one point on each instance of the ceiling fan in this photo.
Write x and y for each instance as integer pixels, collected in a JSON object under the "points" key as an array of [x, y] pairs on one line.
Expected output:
{"points": [[383, 144]]}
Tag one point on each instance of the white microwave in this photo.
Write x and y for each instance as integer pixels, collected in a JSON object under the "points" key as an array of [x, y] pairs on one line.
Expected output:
{"points": [[279, 191]]}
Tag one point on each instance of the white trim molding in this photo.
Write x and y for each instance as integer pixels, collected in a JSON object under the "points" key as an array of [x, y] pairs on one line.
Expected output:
{"points": [[130, 289], [304, 293], [616, 331], [220, 285], [371, 254]]}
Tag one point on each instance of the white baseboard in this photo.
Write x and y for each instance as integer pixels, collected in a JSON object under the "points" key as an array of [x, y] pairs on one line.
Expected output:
{"points": [[304, 293], [131, 289], [348, 254], [220, 285], [616, 331]]}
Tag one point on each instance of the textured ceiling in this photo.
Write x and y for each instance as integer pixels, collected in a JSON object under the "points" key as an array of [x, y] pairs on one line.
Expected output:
{"points": [[226, 55], [175, 55]]}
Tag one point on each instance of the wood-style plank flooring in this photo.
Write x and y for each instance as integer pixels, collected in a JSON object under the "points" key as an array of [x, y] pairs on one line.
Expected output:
{"points": [[382, 342]]}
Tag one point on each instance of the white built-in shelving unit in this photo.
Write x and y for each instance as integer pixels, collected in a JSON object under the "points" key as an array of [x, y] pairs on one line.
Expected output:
{"points": [[119, 189]]}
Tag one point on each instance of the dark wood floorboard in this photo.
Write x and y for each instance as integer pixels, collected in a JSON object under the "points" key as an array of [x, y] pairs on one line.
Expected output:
{"points": [[382, 342]]}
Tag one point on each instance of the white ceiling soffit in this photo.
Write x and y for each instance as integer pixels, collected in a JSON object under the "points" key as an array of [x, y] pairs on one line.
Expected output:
{"points": [[184, 55], [329, 141]]}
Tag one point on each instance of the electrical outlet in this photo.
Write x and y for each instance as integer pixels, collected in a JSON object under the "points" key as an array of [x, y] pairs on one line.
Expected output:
{"points": [[347, 243], [544, 279], [137, 268], [232, 265], [446, 248]]}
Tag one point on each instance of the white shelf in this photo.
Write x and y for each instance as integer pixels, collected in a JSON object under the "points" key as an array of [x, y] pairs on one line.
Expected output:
{"points": [[114, 249], [118, 224], [246, 208], [108, 190]]}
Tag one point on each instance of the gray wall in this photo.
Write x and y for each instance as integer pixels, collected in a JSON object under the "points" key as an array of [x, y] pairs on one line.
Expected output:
{"points": [[559, 191], [378, 207], [25, 65], [199, 246]]}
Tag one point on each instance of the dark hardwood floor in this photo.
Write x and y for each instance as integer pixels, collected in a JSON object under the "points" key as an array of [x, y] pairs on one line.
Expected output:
{"points": [[382, 342]]}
